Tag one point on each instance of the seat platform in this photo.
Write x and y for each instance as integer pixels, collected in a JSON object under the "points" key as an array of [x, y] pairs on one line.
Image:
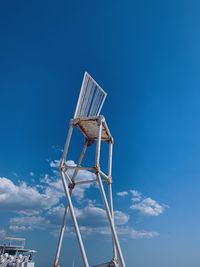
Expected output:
{"points": [[89, 127]]}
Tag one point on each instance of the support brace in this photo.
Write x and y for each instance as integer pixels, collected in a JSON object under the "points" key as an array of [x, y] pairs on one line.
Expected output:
{"points": [[70, 182]]}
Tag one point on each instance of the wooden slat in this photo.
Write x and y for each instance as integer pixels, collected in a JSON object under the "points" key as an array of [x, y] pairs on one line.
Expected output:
{"points": [[90, 129]]}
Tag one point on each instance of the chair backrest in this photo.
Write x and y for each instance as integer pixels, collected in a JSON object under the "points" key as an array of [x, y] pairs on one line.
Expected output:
{"points": [[91, 98]]}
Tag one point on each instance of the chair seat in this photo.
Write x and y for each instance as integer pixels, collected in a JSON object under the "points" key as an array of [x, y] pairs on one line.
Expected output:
{"points": [[89, 127]]}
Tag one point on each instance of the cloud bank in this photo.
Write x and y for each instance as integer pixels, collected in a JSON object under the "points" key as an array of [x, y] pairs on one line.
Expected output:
{"points": [[41, 207]]}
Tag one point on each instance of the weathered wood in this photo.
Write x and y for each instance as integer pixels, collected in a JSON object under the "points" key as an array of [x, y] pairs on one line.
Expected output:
{"points": [[89, 127]]}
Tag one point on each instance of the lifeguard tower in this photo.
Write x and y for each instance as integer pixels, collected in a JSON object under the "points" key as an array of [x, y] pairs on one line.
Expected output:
{"points": [[93, 126]]}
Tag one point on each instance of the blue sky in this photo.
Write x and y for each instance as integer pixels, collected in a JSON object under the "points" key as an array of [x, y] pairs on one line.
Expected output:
{"points": [[146, 55]]}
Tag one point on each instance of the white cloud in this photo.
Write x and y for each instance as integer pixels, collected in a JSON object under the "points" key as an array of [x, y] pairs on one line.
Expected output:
{"points": [[28, 212], [146, 206], [22, 197], [122, 194], [19, 228], [28, 223], [124, 232], [2, 233], [90, 218], [120, 217], [149, 207], [129, 232], [136, 196], [32, 174], [95, 216], [39, 207], [55, 163], [92, 221], [55, 214], [87, 216], [79, 191]]}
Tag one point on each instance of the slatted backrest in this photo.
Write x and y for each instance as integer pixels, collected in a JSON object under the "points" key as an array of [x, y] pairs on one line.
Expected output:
{"points": [[91, 98]]}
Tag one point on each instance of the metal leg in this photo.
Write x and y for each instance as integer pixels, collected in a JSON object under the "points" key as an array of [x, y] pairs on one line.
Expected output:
{"points": [[79, 161], [62, 230], [112, 214], [114, 234], [98, 147], [103, 195], [63, 227], [68, 139], [85, 260], [110, 194]]}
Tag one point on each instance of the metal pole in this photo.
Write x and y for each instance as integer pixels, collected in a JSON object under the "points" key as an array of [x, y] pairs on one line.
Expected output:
{"points": [[86, 182], [114, 234], [103, 195], [80, 160], [110, 193], [69, 135], [62, 230], [80, 168], [82, 249], [98, 147]]}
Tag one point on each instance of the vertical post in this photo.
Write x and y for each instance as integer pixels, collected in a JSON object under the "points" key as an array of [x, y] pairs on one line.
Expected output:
{"points": [[110, 193], [114, 234], [103, 195], [68, 139], [62, 230], [82, 249], [98, 147]]}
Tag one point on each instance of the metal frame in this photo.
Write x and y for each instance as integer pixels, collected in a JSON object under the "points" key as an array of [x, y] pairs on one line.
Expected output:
{"points": [[70, 183], [95, 130]]}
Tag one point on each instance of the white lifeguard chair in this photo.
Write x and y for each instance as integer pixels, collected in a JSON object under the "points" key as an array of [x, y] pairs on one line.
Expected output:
{"points": [[93, 126]]}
